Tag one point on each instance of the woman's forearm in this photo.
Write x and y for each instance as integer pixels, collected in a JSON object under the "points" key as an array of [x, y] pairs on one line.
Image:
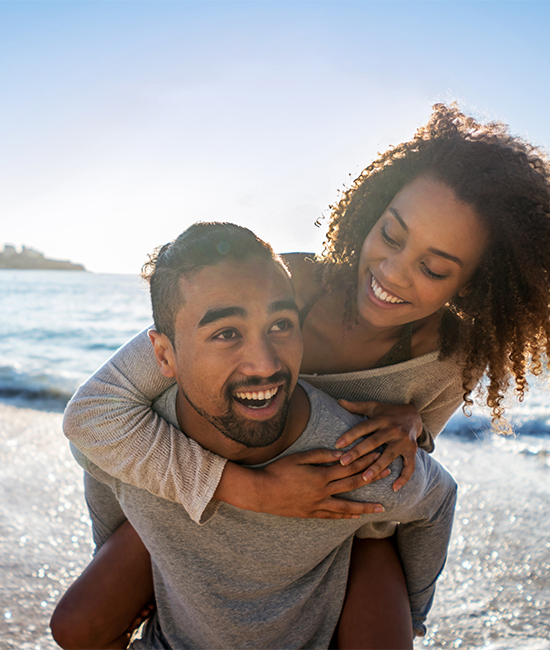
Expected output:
{"points": [[240, 487], [110, 419]]}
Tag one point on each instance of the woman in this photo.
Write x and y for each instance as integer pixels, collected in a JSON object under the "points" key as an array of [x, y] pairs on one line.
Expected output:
{"points": [[435, 270]]}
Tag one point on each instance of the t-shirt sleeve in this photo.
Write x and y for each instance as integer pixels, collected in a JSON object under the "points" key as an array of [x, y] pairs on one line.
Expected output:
{"points": [[111, 421]]}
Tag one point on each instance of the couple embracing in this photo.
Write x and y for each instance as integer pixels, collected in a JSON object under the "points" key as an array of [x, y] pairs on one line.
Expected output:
{"points": [[435, 271]]}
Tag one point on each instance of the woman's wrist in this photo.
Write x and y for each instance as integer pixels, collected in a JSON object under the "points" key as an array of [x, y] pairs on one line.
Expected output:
{"points": [[240, 487]]}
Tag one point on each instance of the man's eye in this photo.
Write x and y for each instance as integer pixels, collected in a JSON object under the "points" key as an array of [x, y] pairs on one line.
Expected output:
{"points": [[226, 335], [282, 326]]}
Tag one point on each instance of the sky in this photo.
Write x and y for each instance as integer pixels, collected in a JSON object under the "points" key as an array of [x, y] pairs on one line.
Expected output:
{"points": [[122, 122]]}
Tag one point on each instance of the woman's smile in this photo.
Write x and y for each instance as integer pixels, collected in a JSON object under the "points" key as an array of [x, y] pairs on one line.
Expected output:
{"points": [[383, 295], [422, 251]]}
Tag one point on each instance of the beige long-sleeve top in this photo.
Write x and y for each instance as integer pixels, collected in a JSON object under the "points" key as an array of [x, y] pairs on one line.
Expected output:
{"points": [[111, 421]]}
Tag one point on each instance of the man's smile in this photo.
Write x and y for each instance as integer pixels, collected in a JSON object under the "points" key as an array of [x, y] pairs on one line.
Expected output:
{"points": [[256, 399], [259, 402]]}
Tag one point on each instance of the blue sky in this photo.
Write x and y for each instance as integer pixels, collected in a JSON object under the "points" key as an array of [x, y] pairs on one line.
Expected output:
{"points": [[123, 122]]}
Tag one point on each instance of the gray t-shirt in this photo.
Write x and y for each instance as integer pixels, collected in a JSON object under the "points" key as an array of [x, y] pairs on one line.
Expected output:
{"points": [[253, 580]]}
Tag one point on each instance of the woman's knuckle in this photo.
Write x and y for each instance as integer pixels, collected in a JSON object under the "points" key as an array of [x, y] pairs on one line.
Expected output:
{"points": [[354, 454]]}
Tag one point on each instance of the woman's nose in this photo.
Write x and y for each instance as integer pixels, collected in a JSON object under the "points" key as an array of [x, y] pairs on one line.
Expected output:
{"points": [[396, 269]]}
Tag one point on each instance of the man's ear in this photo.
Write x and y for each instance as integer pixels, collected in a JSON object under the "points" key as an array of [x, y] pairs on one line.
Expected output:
{"points": [[164, 353]]}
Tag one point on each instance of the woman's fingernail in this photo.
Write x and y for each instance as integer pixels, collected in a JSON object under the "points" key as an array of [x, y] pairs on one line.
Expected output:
{"points": [[379, 509], [396, 488], [345, 459], [339, 444], [337, 454], [368, 475]]}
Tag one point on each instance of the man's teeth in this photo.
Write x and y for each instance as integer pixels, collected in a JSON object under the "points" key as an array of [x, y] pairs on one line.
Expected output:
{"points": [[261, 395], [382, 295]]}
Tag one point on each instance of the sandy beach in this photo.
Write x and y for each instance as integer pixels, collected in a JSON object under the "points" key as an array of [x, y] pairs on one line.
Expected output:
{"points": [[494, 594]]}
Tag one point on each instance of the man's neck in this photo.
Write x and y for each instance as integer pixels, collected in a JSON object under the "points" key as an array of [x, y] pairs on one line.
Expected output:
{"points": [[208, 436]]}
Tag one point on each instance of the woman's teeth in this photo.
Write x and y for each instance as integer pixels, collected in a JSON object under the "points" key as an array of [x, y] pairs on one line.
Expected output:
{"points": [[383, 295]]}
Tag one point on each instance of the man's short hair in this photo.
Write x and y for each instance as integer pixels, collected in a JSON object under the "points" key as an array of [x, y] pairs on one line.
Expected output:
{"points": [[202, 244]]}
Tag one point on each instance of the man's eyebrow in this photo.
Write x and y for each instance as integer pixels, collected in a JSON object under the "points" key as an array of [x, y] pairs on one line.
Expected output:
{"points": [[217, 313], [283, 305], [435, 251]]}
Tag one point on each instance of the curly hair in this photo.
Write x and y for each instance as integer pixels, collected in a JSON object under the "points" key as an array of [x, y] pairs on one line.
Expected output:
{"points": [[502, 326]]}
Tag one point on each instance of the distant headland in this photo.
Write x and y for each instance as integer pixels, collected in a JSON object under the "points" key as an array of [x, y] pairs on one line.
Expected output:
{"points": [[28, 258]]}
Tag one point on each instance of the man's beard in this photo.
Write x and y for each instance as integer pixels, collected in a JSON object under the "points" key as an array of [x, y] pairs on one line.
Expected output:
{"points": [[250, 433]]}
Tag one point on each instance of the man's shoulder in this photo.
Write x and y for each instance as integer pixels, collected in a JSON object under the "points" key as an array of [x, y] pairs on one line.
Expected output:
{"points": [[326, 412], [329, 420], [165, 405]]}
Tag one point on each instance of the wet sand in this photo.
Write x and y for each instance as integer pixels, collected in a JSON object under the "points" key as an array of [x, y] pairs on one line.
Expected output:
{"points": [[494, 594], [44, 530], [495, 590]]}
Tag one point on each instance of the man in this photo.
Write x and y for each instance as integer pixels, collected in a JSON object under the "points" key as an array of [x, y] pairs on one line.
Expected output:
{"points": [[227, 329]]}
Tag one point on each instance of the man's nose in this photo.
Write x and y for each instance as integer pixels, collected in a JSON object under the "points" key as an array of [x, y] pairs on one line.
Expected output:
{"points": [[260, 358]]}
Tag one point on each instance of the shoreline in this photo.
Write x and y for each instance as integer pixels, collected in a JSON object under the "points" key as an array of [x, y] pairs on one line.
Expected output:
{"points": [[45, 538], [494, 592]]}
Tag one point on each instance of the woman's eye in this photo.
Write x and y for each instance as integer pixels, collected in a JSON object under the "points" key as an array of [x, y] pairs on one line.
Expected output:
{"points": [[431, 274], [387, 238]]}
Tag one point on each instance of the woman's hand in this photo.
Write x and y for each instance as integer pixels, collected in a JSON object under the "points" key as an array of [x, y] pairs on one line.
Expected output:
{"points": [[396, 425], [299, 485]]}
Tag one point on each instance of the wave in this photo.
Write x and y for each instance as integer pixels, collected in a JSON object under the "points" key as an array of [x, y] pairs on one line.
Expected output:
{"points": [[480, 426], [34, 387], [108, 347]]}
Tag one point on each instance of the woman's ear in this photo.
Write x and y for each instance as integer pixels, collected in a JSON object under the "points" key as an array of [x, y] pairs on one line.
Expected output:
{"points": [[164, 353], [465, 290]]}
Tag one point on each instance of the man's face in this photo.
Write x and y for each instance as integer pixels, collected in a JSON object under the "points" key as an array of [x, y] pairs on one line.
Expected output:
{"points": [[239, 348]]}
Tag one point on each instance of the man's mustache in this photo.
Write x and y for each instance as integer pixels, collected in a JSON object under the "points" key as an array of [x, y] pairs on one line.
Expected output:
{"points": [[251, 382]]}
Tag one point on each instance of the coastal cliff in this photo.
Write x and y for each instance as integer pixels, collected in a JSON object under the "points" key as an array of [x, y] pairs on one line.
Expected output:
{"points": [[28, 258]]}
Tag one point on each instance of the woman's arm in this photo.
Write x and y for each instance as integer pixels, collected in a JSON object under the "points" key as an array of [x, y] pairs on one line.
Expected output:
{"points": [[401, 427], [299, 485], [110, 419]]}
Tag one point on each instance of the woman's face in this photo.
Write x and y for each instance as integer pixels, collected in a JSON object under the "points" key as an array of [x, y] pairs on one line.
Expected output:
{"points": [[420, 253]]}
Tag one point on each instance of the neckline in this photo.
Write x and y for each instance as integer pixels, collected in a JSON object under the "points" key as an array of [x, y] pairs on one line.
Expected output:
{"points": [[400, 351], [359, 374]]}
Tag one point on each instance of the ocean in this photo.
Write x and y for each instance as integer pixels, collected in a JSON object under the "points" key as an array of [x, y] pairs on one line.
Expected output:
{"points": [[59, 326]]}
